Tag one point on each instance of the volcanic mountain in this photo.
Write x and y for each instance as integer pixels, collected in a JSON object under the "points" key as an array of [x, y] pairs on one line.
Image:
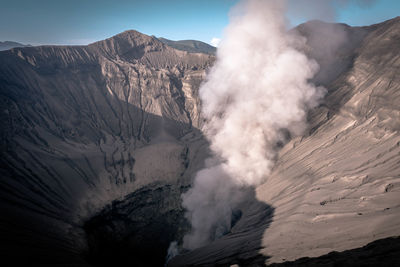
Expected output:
{"points": [[98, 143]]}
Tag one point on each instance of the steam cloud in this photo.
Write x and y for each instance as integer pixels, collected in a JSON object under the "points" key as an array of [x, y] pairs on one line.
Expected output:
{"points": [[255, 96]]}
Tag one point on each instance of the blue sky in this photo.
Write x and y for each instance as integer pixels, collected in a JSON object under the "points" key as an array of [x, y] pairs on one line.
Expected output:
{"points": [[85, 21]]}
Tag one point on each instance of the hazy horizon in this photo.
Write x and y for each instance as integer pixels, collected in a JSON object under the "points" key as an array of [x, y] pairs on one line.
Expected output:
{"points": [[74, 22]]}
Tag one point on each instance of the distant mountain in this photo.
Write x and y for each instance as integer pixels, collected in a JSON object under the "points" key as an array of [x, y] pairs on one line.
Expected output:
{"points": [[9, 44], [192, 46]]}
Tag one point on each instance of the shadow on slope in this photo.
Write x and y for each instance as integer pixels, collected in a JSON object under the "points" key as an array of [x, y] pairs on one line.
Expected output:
{"points": [[38, 221], [54, 129], [241, 245], [383, 252], [137, 230], [36, 212]]}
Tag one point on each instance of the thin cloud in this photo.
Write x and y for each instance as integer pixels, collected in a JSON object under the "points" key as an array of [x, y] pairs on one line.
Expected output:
{"points": [[215, 41]]}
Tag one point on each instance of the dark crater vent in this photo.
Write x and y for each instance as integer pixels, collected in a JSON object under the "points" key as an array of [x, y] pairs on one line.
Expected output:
{"points": [[137, 230]]}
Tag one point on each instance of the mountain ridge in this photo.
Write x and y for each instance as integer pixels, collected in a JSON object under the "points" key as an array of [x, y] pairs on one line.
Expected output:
{"points": [[5, 45], [193, 46]]}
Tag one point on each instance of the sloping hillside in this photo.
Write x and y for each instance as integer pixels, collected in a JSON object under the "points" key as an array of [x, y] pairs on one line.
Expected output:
{"points": [[83, 126], [337, 187]]}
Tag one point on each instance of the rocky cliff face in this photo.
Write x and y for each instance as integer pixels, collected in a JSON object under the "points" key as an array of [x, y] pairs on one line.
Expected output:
{"points": [[99, 141], [87, 125]]}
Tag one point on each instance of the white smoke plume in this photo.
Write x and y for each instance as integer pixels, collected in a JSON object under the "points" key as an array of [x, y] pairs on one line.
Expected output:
{"points": [[258, 86]]}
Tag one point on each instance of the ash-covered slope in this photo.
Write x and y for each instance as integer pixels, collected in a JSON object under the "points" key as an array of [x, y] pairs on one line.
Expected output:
{"points": [[343, 180], [98, 142], [336, 188], [83, 126]]}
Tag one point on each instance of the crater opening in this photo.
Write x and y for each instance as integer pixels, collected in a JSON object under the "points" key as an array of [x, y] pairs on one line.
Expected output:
{"points": [[138, 229]]}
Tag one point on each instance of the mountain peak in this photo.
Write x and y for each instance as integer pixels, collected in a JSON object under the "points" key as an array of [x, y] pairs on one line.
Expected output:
{"points": [[132, 34], [129, 42]]}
